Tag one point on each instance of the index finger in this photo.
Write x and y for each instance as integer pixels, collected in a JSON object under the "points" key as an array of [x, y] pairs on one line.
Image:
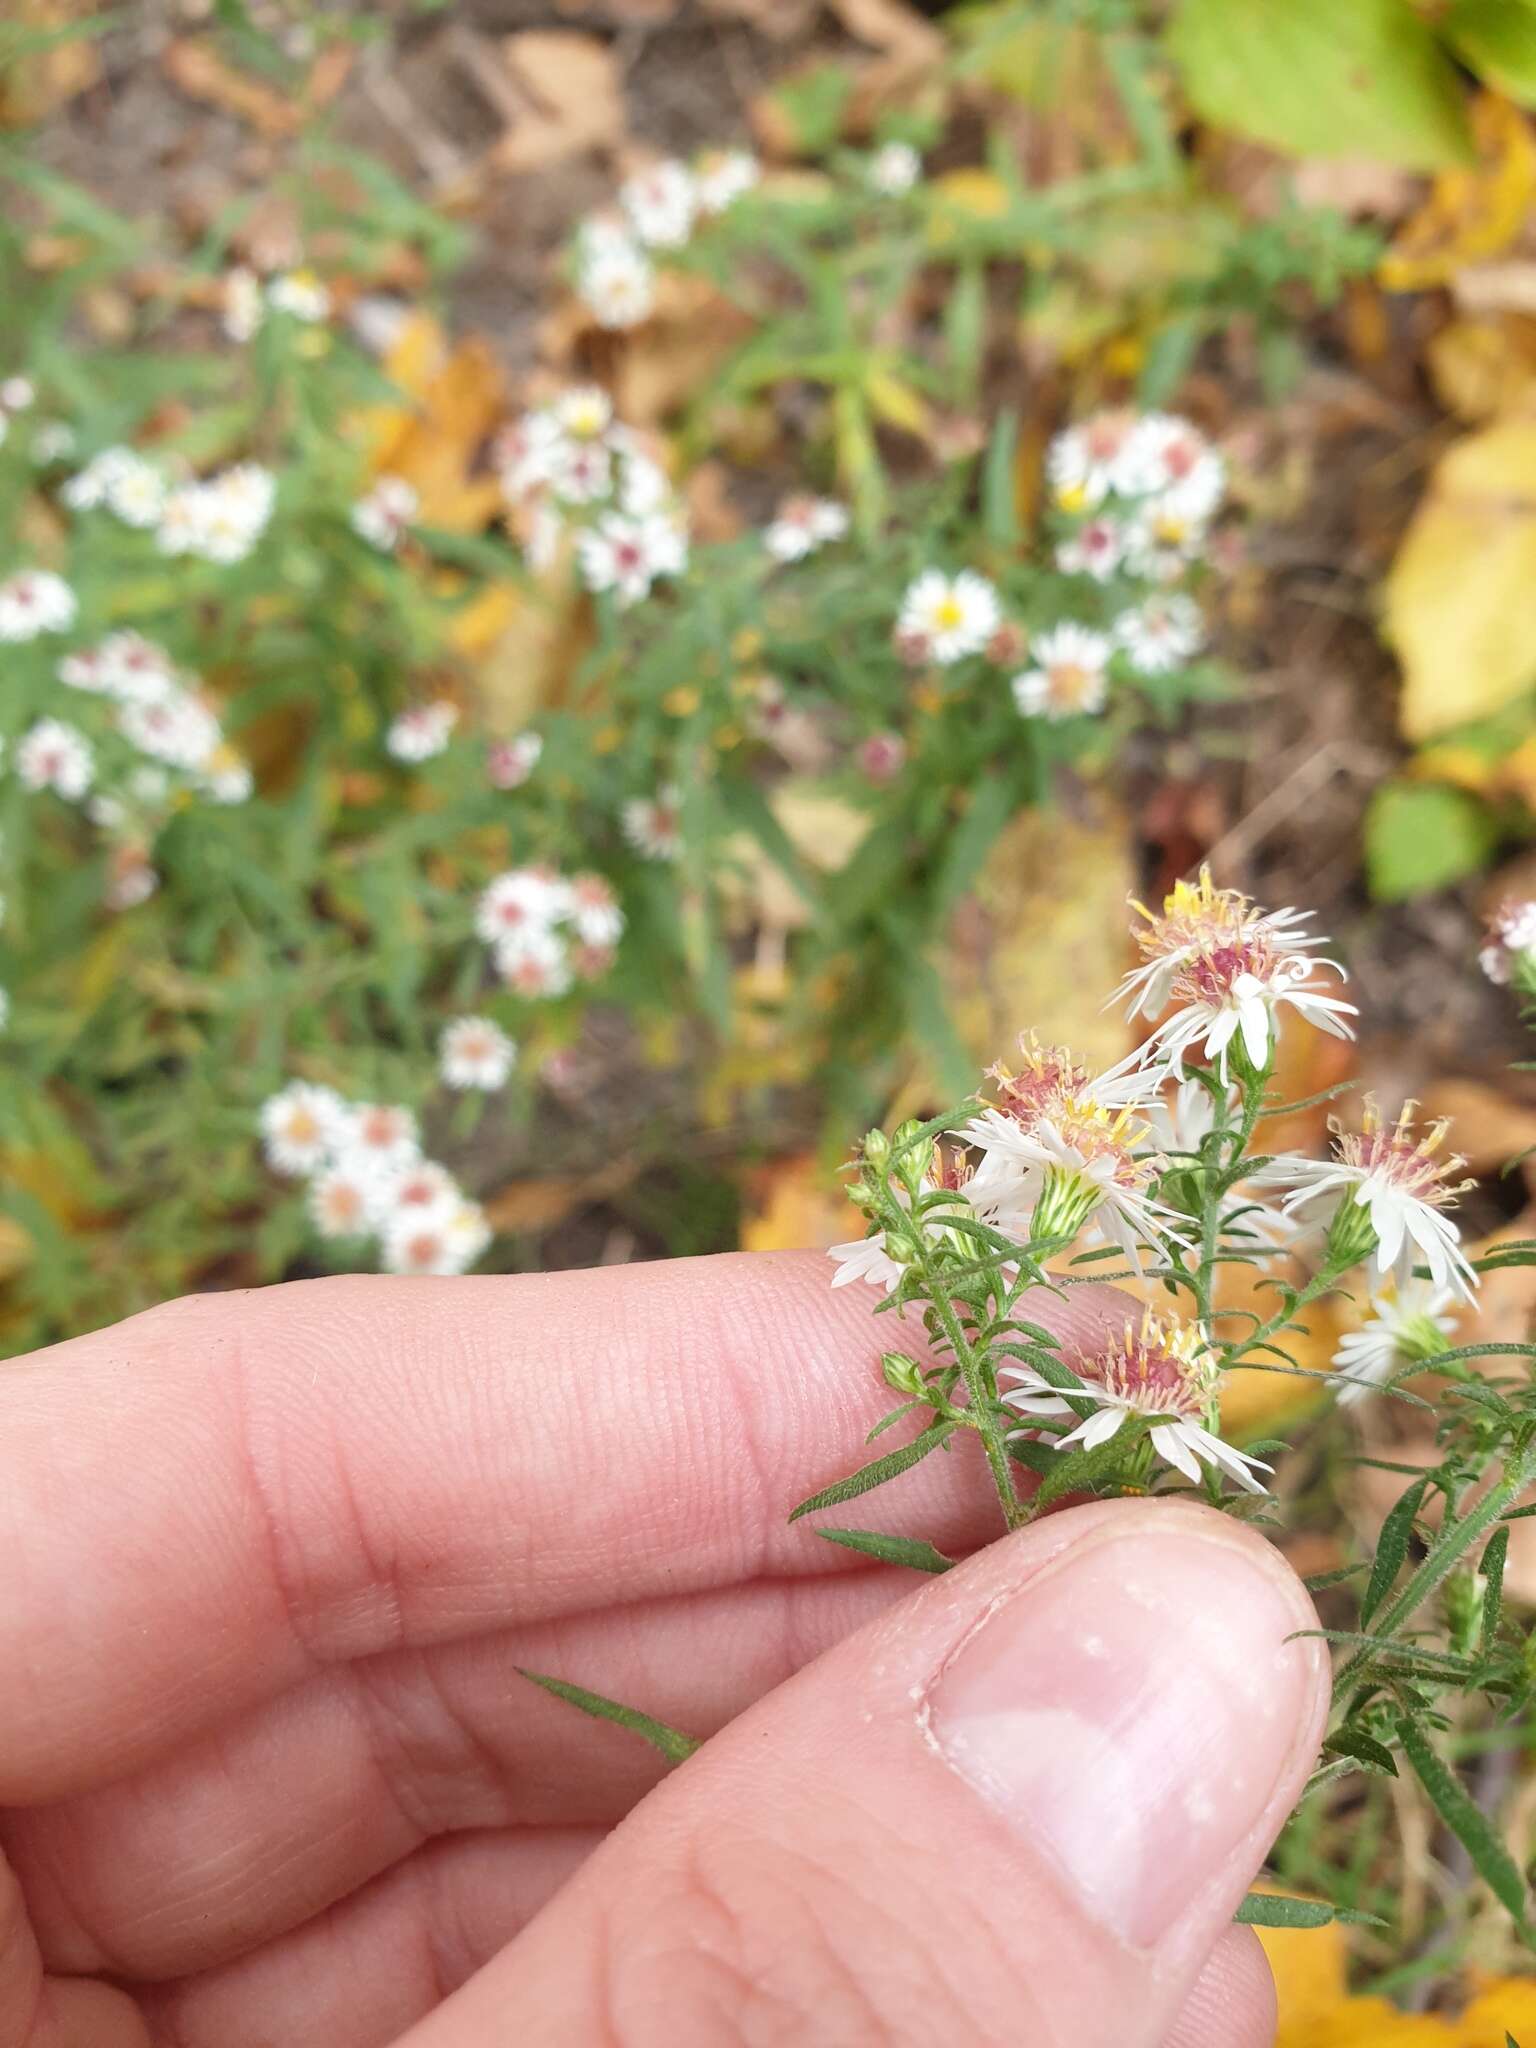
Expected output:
{"points": [[211, 1501]]}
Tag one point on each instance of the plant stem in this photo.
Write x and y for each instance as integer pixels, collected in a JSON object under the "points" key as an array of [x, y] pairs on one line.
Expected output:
{"points": [[980, 1414]]}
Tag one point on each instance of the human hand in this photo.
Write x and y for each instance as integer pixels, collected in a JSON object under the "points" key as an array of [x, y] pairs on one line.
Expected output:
{"points": [[272, 1561]]}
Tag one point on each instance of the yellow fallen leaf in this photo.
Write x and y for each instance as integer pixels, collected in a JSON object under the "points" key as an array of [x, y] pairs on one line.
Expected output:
{"points": [[1040, 937], [794, 1204], [1457, 598], [1309, 1965], [457, 396], [1470, 214], [972, 190], [1486, 366]]}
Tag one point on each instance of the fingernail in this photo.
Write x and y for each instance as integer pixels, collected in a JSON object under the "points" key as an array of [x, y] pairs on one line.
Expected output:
{"points": [[1130, 1712]]}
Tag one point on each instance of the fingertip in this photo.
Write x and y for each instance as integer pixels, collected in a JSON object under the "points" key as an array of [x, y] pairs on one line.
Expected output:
{"points": [[1233, 2004]]}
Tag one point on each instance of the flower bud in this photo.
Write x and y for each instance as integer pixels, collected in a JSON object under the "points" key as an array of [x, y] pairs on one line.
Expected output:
{"points": [[904, 1374], [877, 1151]]}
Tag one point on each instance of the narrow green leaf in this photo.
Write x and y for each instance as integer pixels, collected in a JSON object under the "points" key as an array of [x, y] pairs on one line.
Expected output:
{"points": [[967, 846], [1319, 1582], [999, 499], [1396, 1536], [1363, 1749], [1266, 1909], [1465, 1819], [674, 1745], [907, 1550], [877, 1471], [1493, 1590]]}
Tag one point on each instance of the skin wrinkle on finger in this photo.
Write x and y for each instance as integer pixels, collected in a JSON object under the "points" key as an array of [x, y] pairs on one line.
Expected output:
{"points": [[369, 1759], [460, 1484]]}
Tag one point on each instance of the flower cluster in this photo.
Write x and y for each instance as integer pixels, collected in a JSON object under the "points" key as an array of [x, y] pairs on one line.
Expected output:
{"points": [[219, 518], [547, 931], [659, 208], [137, 740], [1150, 1162], [1137, 494], [1140, 492], [247, 301], [367, 1180], [571, 469]]}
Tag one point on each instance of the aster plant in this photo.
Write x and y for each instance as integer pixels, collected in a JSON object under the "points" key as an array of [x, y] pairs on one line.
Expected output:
{"points": [[1153, 1177]]}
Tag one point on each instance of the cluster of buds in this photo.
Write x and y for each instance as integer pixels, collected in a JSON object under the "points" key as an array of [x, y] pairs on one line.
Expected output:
{"points": [[547, 931], [367, 1180], [570, 468], [1150, 1160], [659, 209]]}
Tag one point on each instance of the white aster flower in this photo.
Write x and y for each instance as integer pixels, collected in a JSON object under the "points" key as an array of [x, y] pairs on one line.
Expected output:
{"points": [[802, 525], [654, 825], [509, 763], [521, 900], [1068, 677], [1168, 458], [342, 1199], [382, 1134], [583, 413], [722, 176], [420, 1191], [626, 555], [422, 732], [661, 203], [535, 962], [244, 307], [128, 667], [301, 295], [474, 1052], [950, 616], [1161, 1372], [300, 1127], [868, 1259], [1082, 464], [432, 1247], [1229, 968], [894, 169], [35, 601], [1161, 634], [1096, 549], [1511, 944], [618, 286], [56, 756], [594, 911], [1077, 1163], [1408, 1325], [1387, 1189], [382, 516], [172, 726], [17, 394]]}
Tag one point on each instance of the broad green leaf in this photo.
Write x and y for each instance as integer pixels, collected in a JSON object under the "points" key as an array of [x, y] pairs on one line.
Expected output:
{"points": [[1392, 1548], [1319, 79], [1422, 836], [877, 1471], [674, 1745], [1465, 1819], [1497, 39], [907, 1550]]}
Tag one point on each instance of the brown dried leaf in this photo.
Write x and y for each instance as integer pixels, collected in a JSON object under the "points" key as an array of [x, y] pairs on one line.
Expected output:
{"points": [[458, 396], [194, 67], [691, 329], [562, 94], [1489, 1127], [1486, 366], [525, 1207], [784, 20]]}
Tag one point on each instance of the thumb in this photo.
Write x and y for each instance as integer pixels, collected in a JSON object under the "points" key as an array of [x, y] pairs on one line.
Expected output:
{"points": [[1020, 1808]]}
